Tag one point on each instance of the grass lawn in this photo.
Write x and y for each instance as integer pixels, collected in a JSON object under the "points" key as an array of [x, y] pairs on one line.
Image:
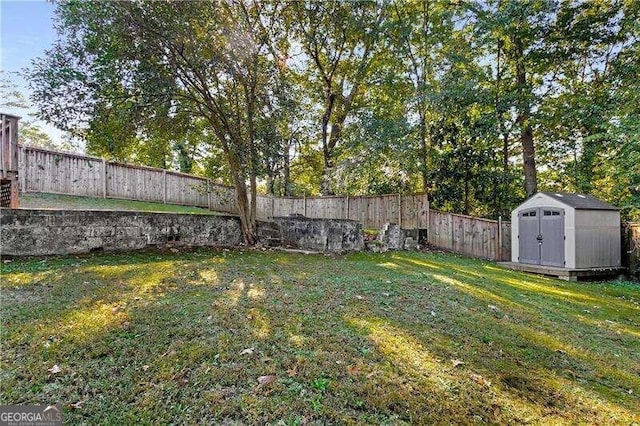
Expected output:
{"points": [[32, 200], [272, 337]]}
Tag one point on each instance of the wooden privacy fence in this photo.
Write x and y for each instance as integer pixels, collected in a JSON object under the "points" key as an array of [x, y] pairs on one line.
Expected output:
{"points": [[72, 174], [408, 211], [477, 237], [55, 172]]}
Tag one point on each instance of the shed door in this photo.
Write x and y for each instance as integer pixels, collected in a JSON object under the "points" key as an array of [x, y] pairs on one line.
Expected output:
{"points": [[552, 231], [541, 236], [529, 229]]}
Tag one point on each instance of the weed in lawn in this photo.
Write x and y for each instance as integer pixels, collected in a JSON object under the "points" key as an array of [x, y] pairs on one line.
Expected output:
{"points": [[321, 384]]}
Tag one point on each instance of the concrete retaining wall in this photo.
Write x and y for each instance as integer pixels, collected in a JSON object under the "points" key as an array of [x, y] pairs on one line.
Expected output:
{"points": [[321, 234], [47, 232], [54, 232]]}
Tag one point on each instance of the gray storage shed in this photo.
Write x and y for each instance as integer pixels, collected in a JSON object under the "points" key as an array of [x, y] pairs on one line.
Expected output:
{"points": [[563, 230]]}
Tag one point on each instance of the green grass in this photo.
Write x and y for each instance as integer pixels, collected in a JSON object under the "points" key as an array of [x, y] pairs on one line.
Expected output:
{"points": [[69, 202], [388, 338]]}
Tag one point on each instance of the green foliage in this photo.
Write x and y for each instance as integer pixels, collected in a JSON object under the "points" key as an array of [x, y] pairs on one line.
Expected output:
{"points": [[13, 101], [477, 103]]}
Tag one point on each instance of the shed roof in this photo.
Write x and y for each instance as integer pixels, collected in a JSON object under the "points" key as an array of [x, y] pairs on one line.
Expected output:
{"points": [[580, 201]]}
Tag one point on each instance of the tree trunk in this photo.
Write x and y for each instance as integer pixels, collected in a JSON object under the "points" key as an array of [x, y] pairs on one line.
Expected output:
{"points": [[325, 184], [247, 223], [528, 156], [467, 189], [523, 119], [326, 149], [286, 174], [423, 153], [244, 210], [505, 153]]}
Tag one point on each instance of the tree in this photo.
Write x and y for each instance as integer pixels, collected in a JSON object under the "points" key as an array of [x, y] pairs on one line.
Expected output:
{"points": [[339, 40], [150, 62], [422, 32], [31, 134]]}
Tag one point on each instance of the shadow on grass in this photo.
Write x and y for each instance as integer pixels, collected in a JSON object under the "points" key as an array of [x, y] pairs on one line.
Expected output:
{"points": [[362, 338]]}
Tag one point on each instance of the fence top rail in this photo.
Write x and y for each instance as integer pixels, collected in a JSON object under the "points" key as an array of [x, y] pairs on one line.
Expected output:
{"points": [[467, 216], [324, 197], [60, 152], [419, 194]]}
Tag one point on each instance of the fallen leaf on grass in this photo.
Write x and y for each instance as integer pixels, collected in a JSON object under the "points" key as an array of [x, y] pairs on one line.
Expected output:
{"points": [[353, 370], [181, 379], [248, 351], [55, 369], [145, 367], [265, 380], [480, 380], [456, 362]]}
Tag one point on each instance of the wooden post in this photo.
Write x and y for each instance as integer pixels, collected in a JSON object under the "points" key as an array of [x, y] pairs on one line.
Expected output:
{"points": [[104, 178], [426, 206], [499, 254], [414, 198], [209, 194], [347, 212], [22, 169], [14, 197], [4, 135], [400, 210], [304, 198], [273, 206], [164, 186]]}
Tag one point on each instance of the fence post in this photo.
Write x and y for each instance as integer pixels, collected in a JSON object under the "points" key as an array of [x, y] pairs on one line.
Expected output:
{"points": [[273, 206], [417, 207], [428, 218], [347, 212], [164, 186], [499, 254], [22, 168], [304, 199], [209, 194], [104, 178], [400, 210]]}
